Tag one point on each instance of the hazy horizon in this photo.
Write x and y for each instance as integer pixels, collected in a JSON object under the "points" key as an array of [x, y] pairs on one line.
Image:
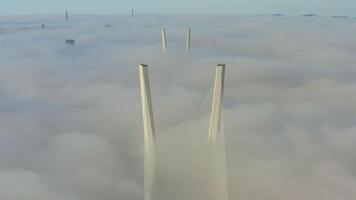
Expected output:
{"points": [[128, 14], [292, 7]]}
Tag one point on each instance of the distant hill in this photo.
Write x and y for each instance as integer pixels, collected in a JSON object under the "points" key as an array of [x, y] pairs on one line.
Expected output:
{"points": [[309, 15], [340, 16], [277, 14]]}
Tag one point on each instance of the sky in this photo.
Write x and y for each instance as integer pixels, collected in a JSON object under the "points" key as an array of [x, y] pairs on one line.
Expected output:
{"points": [[288, 7], [71, 123]]}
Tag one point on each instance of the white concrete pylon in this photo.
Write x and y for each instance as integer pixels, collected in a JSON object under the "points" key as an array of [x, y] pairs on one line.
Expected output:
{"points": [[164, 40], [217, 140], [149, 132], [217, 105], [146, 100]]}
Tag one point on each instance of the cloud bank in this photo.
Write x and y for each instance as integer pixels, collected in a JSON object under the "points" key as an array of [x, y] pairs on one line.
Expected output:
{"points": [[70, 117]]}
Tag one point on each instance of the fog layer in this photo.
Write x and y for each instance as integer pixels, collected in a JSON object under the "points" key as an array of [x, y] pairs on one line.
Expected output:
{"points": [[70, 117]]}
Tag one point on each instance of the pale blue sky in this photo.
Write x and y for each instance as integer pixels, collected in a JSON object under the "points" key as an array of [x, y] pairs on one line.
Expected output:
{"points": [[289, 7]]}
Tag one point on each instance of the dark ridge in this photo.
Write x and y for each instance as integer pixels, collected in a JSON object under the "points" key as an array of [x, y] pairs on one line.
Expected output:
{"points": [[309, 15], [340, 16], [277, 15]]}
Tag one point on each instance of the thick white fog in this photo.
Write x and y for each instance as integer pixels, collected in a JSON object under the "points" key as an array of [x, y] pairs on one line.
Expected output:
{"points": [[70, 116]]}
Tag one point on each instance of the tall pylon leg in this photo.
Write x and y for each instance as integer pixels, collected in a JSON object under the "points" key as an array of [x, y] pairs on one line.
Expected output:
{"points": [[217, 140], [149, 132], [215, 118]]}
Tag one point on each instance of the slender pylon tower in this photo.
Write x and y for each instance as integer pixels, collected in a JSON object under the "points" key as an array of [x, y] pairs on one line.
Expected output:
{"points": [[216, 139], [187, 39], [149, 132], [215, 118], [164, 40], [132, 13]]}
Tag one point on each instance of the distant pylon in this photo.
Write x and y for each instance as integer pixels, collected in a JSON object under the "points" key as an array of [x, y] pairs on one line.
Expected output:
{"points": [[164, 40], [67, 18], [215, 118], [149, 132], [132, 13], [187, 39]]}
